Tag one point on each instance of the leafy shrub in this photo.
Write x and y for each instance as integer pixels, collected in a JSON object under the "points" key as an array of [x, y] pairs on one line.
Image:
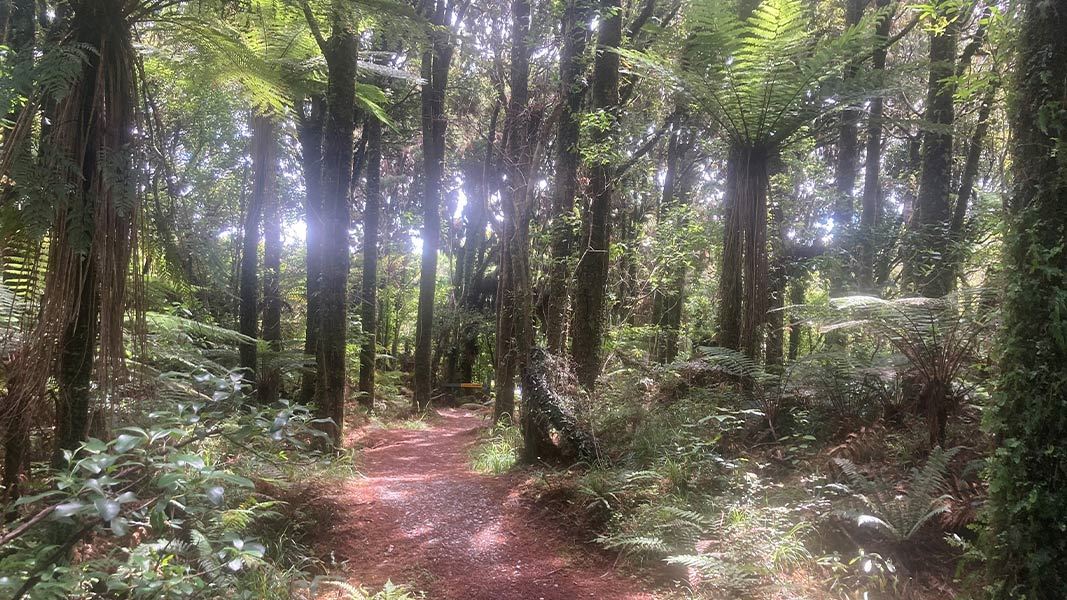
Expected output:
{"points": [[939, 338], [900, 516], [163, 511]]}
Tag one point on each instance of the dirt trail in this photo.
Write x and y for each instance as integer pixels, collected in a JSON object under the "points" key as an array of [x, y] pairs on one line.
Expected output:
{"points": [[421, 516]]}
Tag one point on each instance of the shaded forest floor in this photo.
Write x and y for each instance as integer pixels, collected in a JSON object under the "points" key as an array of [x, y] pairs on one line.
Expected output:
{"points": [[422, 517]]}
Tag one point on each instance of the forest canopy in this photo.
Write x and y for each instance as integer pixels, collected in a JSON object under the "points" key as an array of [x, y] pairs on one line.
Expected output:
{"points": [[766, 297]]}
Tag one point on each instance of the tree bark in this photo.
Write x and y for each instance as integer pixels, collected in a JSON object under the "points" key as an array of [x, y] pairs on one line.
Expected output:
{"points": [[846, 170], [20, 31], [572, 65], [338, 141], [369, 294], [248, 316], [1028, 493], [928, 269], [94, 229], [731, 299], [435, 64], [870, 218], [513, 312], [591, 275], [970, 167], [752, 183], [264, 182], [310, 132], [669, 297], [75, 366]]}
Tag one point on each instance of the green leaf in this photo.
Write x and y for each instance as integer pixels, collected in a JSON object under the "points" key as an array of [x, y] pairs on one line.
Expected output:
{"points": [[107, 508], [189, 460], [127, 442]]}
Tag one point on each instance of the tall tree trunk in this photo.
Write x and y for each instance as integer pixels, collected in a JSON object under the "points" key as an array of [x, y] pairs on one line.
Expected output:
{"points": [[248, 292], [95, 229], [568, 159], [266, 159], [870, 218], [752, 183], [1028, 490], [436, 61], [731, 299], [970, 167], [20, 35], [369, 293], [669, 298], [310, 132], [928, 269], [513, 314], [591, 275], [338, 141], [845, 174]]}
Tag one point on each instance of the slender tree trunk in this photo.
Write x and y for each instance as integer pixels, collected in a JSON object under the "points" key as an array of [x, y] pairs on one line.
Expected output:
{"points": [[669, 298], [928, 269], [797, 291], [369, 295], [338, 141], [970, 167], [1028, 490], [436, 61], [846, 170], [591, 276], [310, 132], [871, 216], [568, 159], [513, 316], [266, 155], [249, 283]]}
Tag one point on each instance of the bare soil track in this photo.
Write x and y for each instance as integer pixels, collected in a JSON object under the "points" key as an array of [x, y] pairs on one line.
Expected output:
{"points": [[421, 516]]}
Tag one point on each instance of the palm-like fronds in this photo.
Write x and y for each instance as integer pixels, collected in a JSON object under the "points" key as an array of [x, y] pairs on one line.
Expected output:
{"points": [[763, 78], [901, 515], [938, 337]]}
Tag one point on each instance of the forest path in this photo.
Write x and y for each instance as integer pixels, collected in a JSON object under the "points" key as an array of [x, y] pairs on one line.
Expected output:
{"points": [[421, 516]]}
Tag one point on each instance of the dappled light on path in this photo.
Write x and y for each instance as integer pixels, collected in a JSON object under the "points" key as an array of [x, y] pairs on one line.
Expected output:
{"points": [[422, 517]]}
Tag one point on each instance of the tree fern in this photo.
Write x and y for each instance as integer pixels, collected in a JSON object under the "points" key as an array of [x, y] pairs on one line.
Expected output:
{"points": [[901, 516], [763, 78]]}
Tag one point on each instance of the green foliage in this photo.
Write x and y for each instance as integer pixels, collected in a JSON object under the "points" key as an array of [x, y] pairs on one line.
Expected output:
{"points": [[499, 452], [765, 78], [900, 516], [173, 498]]}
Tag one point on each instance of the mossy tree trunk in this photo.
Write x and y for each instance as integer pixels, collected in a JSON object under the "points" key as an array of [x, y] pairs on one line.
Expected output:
{"points": [[340, 51], [1028, 485], [572, 66], [591, 275]]}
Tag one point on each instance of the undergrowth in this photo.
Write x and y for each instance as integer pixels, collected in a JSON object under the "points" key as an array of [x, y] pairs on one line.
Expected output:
{"points": [[498, 452]]}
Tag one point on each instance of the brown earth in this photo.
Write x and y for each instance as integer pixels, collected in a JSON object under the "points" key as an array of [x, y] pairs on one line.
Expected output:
{"points": [[422, 517]]}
